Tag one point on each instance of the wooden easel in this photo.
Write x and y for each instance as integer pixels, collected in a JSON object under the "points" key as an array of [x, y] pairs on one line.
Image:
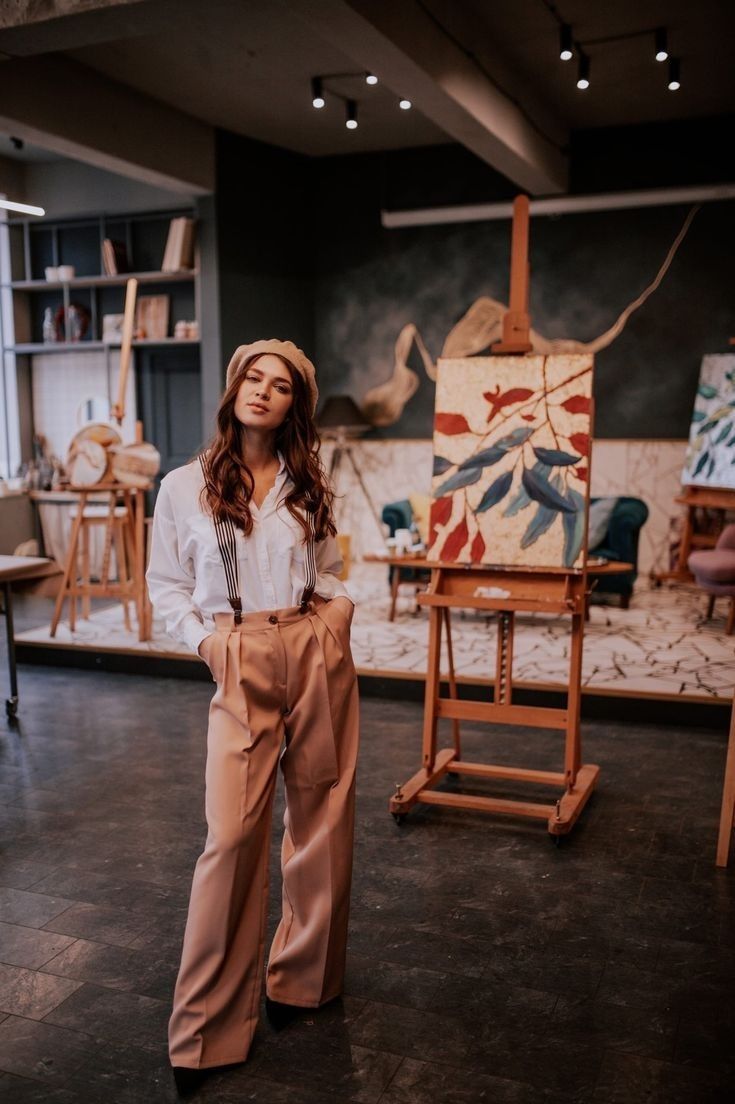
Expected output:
{"points": [[132, 587], [548, 590], [710, 498], [557, 591]]}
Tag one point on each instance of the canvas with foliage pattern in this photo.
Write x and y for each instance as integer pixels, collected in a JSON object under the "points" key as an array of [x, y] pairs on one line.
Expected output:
{"points": [[511, 460], [710, 458]]}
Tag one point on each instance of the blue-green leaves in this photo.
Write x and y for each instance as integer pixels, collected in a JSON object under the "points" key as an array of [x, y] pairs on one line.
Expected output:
{"points": [[573, 528], [555, 457], [461, 478], [484, 459], [495, 492], [441, 464], [540, 490]]}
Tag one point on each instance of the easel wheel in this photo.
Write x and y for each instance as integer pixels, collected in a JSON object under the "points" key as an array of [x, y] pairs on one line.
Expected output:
{"points": [[399, 818], [555, 839]]}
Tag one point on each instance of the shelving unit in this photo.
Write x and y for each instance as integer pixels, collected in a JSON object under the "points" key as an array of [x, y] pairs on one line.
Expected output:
{"points": [[37, 244]]}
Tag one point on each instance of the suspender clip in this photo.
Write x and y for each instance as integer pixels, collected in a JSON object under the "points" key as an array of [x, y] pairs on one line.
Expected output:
{"points": [[236, 604]]}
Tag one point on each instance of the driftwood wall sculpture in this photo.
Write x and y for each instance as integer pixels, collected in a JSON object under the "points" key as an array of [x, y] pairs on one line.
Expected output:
{"points": [[476, 331]]}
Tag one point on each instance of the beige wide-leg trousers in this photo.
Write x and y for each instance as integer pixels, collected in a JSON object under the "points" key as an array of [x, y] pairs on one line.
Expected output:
{"points": [[283, 678]]}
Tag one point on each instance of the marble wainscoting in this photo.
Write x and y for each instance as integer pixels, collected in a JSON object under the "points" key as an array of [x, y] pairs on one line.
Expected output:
{"points": [[662, 646], [394, 469]]}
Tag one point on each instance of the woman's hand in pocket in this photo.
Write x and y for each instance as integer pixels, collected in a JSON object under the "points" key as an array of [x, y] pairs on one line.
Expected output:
{"points": [[207, 651], [342, 602]]}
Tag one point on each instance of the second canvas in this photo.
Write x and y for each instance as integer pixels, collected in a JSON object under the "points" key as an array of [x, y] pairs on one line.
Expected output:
{"points": [[511, 460]]}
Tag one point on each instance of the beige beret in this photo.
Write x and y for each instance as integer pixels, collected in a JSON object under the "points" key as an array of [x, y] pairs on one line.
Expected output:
{"points": [[286, 349]]}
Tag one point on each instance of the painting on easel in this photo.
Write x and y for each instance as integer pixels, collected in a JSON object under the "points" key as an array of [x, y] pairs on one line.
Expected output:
{"points": [[710, 458], [511, 460]]}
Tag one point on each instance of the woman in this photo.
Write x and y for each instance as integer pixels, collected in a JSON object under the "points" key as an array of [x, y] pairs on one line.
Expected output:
{"points": [[249, 524]]}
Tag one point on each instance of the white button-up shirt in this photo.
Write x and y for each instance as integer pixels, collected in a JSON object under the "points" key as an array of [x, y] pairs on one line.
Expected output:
{"points": [[185, 575]]}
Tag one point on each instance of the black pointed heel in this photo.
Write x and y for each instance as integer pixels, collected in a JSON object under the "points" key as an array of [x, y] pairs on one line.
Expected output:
{"points": [[280, 1015], [188, 1079]]}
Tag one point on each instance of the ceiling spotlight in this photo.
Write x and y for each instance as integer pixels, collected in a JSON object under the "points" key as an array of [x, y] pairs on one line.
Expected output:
{"points": [[351, 115], [566, 48], [662, 49], [404, 104], [583, 76], [674, 82], [17, 143], [370, 78], [317, 92]]}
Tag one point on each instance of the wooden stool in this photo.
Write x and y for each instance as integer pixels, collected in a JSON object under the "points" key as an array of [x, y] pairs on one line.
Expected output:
{"points": [[727, 821]]}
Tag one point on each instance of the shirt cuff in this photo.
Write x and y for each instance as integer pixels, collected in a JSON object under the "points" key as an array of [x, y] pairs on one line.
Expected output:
{"points": [[194, 632]]}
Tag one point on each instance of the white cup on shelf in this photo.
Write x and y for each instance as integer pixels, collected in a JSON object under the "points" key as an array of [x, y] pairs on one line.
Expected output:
{"points": [[66, 273], [51, 273]]}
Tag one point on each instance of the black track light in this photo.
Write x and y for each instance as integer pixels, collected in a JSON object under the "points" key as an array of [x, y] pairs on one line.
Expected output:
{"points": [[317, 92], [566, 46], [662, 47], [583, 76], [674, 81], [370, 78], [351, 115]]}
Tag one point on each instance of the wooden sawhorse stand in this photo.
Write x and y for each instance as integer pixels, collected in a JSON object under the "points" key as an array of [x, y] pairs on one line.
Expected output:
{"points": [[131, 588], [547, 590]]}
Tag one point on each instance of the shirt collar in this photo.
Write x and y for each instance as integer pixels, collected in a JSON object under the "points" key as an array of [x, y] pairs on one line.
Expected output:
{"points": [[282, 462]]}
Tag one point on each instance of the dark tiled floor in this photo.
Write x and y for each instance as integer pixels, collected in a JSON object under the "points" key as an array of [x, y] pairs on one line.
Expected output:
{"points": [[484, 963]]}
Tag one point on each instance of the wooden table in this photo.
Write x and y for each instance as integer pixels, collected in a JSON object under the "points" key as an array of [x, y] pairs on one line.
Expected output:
{"points": [[12, 570]]}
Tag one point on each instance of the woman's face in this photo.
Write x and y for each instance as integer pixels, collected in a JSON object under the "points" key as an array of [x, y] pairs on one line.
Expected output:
{"points": [[266, 393]]}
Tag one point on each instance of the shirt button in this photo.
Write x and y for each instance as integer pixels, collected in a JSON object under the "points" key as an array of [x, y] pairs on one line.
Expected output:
{"points": [[273, 619]]}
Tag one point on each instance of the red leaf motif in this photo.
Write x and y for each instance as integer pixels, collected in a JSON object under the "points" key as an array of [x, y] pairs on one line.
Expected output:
{"points": [[528, 417], [577, 404], [455, 542], [451, 424], [441, 511], [581, 473], [477, 551], [580, 442], [498, 399]]}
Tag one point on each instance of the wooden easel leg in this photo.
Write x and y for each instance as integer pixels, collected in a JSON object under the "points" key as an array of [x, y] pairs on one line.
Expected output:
{"points": [[138, 506], [71, 564], [122, 571], [728, 800], [710, 607], [504, 658], [394, 584], [109, 523], [573, 751], [730, 618], [456, 737], [86, 580], [432, 687]]}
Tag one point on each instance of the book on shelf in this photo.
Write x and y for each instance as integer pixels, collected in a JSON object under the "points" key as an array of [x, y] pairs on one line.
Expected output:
{"points": [[179, 252], [114, 257]]}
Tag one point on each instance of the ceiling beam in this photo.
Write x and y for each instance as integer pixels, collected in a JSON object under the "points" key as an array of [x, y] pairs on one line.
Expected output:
{"points": [[411, 53], [65, 107]]}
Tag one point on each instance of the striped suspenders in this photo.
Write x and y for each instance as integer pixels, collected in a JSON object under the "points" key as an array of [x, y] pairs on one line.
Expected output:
{"points": [[227, 541]]}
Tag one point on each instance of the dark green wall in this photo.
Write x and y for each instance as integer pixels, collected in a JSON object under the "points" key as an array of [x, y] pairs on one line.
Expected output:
{"points": [[303, 255]]}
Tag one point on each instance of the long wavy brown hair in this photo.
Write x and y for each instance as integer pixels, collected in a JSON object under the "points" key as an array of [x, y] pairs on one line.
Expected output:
{"points": [[229, 486]]}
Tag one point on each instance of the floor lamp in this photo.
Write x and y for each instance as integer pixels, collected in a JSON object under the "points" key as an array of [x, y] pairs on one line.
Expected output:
{"points": [[342, 421]]}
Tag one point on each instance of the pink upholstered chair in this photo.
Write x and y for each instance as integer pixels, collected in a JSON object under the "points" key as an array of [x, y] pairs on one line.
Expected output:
{"points": [[714, 571]]}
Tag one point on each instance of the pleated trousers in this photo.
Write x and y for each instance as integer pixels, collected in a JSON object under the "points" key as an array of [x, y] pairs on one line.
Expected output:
{"points": [[286, 692]]}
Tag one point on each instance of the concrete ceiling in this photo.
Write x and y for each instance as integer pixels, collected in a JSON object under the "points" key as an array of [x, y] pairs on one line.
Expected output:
{"points": [[484, 73]]}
